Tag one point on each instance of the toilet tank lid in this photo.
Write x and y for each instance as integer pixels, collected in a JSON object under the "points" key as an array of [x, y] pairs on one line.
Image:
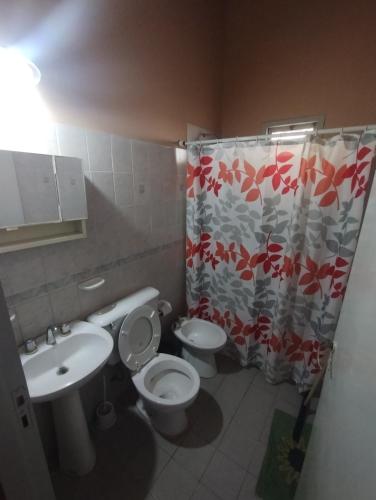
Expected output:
{"points": [[122, 307]]}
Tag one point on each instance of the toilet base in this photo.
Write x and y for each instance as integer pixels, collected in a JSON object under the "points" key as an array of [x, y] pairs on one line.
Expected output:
{"points": [[168, 423], [203, 362]]}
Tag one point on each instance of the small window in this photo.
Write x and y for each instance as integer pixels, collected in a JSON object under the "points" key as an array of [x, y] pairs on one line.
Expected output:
{"points": [[294, 127]]}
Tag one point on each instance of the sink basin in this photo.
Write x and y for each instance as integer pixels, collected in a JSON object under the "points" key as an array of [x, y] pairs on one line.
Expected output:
{"points": [[56, 369], [55, 373]]}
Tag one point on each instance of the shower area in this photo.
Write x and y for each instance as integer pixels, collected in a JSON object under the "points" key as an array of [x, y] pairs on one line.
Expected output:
{"points": [[272, 228]]}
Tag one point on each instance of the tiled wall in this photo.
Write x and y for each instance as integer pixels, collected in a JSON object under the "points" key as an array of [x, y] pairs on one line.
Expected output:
{"points": [[136, 224]]}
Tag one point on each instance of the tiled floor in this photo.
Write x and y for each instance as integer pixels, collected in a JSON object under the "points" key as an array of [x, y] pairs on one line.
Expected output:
{"points": [[218, 458]]}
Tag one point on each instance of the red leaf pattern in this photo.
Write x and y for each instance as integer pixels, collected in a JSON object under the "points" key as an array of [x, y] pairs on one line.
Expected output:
{"points": [[256, 268]]}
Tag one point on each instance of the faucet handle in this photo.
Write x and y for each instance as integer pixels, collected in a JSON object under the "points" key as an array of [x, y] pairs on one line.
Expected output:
{"points": [[30, 346], [65, 329]]}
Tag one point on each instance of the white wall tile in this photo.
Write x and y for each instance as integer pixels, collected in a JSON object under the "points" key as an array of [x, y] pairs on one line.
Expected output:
{"points": [[141, 172], [140, 154], [121, 154], [99, 148], [65, 304], [72, 142], [22, 270], [34, 316], [123, 190], [104, 183], [119, 225], [103, 193]]}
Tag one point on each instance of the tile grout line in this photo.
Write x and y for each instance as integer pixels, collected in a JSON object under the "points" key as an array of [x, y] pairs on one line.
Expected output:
{"points": [[229, 458], [259, 441], [217, 450], [211, 458]]}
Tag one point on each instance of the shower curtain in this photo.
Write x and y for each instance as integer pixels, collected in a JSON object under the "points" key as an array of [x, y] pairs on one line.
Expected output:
{"points": [[272, 230]]}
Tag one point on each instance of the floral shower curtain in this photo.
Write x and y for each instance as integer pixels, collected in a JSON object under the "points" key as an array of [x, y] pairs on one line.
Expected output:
{"points": [[271, 234]]}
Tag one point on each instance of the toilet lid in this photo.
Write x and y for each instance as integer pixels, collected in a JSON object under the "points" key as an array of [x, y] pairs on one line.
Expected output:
{"points": [[139, 337]]}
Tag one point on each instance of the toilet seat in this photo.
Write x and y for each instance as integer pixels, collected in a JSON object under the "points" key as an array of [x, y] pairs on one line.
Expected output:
{"points": [[139, 337]]}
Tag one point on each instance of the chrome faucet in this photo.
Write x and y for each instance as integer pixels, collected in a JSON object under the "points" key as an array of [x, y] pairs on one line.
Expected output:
{"points": [[52, 331]]}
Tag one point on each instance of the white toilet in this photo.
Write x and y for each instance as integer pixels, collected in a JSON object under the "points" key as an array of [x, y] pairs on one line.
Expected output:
{"points": [[201, 339], [166, 384]]}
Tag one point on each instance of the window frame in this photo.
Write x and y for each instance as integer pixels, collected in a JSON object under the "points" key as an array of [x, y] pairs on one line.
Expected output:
{"points": [[294, 124]]}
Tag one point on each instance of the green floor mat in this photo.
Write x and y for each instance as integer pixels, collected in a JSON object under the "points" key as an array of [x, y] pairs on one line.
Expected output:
{"points": [[283, 460]]}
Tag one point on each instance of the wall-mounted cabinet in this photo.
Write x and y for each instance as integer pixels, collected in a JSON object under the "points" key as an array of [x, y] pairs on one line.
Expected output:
{"points": [[39, 195], [71, 188]]}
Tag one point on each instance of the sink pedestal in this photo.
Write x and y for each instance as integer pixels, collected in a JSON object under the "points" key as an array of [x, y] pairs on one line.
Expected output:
{"points": [[76, 450]]}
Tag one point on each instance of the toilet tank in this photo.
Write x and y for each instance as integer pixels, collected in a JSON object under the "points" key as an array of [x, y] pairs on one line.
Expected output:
{"points": [[111, 317]]}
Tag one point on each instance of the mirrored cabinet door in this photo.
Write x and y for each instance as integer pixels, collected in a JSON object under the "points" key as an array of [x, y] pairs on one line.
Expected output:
{"points": [[37, 187], [11, 212], [71, 188]]}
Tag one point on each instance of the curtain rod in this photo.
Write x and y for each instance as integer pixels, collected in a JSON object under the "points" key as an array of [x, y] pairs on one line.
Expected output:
{"points": [[322, 131]]}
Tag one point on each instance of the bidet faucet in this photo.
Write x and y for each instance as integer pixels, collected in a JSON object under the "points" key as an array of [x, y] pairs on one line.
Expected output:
{"points": [[179, 322], [52, 331]]}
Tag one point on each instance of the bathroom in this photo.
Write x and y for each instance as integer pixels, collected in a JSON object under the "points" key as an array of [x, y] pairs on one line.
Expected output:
{"points": [[135, 96]]}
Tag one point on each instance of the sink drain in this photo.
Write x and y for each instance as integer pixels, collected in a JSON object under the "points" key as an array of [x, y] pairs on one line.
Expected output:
{"points": [[62, 370]]}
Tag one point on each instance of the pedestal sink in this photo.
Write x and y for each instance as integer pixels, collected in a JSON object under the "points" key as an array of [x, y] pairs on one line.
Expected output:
{"points": [[55, 373]]}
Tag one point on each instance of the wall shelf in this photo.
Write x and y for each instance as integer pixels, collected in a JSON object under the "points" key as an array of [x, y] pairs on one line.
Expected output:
{"points": [[41, 234]]}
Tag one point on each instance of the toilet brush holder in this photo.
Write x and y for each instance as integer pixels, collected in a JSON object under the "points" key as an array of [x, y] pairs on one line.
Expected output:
{"points": [[105, 415]]}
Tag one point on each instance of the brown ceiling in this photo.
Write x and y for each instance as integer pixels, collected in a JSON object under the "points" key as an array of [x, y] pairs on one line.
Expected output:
{"points": [[142, 68]]}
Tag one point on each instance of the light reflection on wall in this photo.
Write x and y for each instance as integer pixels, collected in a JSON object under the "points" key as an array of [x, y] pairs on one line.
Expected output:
{"points": [[180, 156], [25, 123]]}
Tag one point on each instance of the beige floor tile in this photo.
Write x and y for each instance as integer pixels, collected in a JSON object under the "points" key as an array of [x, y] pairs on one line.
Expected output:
{"points": [[241, 437], [257, 458], [174, 483], [248, 488], [194, 454], [224, 477], [203, 493]]}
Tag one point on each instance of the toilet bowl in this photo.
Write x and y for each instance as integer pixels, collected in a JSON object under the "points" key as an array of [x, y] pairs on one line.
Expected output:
{"points": [[201, 339], [166, 384]]}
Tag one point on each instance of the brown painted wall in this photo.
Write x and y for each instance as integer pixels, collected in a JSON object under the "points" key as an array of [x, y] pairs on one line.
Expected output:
{"points": [[144, 68], [288, 58], [138, 68]]}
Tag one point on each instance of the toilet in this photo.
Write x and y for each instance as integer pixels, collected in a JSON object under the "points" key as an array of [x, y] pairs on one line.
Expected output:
{"points": [[166, 384], [201, 339]]}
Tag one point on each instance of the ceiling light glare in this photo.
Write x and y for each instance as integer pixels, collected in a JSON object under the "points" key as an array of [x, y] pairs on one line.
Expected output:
{"points": [[16, 71]]}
